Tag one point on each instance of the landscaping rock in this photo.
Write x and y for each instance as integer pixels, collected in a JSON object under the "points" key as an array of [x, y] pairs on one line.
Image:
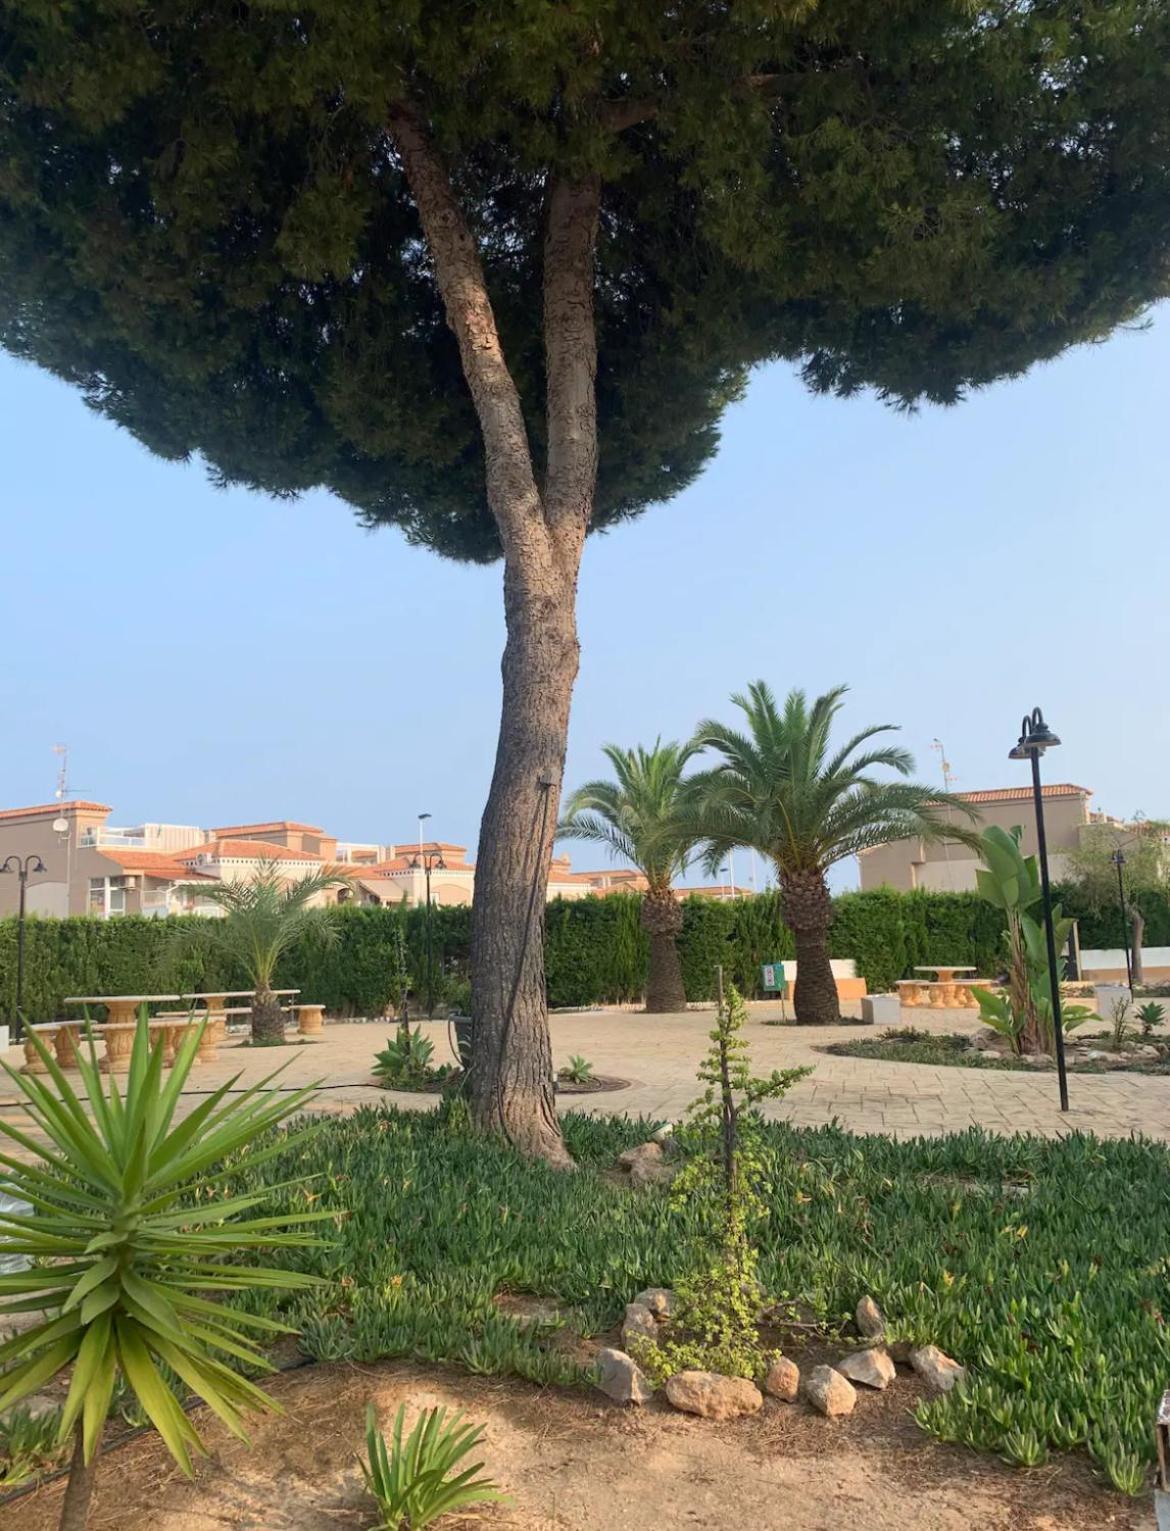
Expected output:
{"points": [[937, 1369], [664, 1133], [639, 1324], [1038, 1060], [646, 1165], [868, 1318], [901, 1351], [659, 1299], [872, 1367], [621, 1378], [783, 1380], [830, 1392], [712, 1396]]}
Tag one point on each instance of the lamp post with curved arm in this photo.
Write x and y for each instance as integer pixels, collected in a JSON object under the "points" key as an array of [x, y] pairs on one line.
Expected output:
{"points": [[22, 866], [1035, 738], [429, 861]]}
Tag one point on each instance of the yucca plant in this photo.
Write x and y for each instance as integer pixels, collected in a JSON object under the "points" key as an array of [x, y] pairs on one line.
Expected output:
{"points": [[412, 1480], [128, 1233]]}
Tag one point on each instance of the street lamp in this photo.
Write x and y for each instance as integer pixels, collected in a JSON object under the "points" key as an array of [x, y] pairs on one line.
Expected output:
{"points": [[1118, 860], [429, 861], [1035, 738], [22, 868]]}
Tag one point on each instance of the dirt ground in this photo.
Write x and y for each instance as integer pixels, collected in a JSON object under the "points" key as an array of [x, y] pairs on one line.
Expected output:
{"points": [[574, 1462]]}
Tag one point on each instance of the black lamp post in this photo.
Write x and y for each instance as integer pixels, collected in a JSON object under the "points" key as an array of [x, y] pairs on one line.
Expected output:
{"points": [[1118, 860], [429, 861], [22, 867], [1035, 738]]}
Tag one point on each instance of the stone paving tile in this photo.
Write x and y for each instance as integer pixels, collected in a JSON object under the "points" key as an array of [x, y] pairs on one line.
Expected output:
{"points": [[659, 1055]]}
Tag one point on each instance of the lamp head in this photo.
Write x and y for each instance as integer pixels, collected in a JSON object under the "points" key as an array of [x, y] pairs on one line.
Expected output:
{"points": [[1035, 737], [38, 865], [440, 865]]}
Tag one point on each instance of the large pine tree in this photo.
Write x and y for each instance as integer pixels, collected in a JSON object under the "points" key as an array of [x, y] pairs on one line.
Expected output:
{"points": [[491, 273]]}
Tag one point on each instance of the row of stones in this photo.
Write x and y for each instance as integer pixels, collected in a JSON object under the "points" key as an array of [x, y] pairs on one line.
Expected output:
{"points": [[829, 1389]]}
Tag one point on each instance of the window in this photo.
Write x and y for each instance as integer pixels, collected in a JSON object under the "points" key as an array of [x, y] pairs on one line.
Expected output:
{"points": [[97, 895], [117, 900]]}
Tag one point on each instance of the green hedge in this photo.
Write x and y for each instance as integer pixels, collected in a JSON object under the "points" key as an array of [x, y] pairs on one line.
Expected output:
{"points": [[595, 948]]}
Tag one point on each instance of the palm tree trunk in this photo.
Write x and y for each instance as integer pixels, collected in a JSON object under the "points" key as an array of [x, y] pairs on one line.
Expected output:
{"points": [[1137, 932], [79, 1487], [662, 919], [808, 913], [267, 1017]]}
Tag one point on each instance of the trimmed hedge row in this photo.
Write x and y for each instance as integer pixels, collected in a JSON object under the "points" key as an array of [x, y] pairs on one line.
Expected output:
{"points": [[595, 949]]}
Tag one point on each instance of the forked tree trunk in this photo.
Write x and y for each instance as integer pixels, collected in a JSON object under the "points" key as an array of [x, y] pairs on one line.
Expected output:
{"points": [[542, 530], [662, 920], [267, 1017], [808, 913], [78, 1486]]}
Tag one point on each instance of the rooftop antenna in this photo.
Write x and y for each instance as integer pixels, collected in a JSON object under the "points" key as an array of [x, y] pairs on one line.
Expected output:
{"points": [[62, 792], [948, 786]]}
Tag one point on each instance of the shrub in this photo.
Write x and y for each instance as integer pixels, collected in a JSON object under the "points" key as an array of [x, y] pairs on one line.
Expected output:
{"points": [[405, 1062], [412, 1481], [578, 1071], [129, 1229]]}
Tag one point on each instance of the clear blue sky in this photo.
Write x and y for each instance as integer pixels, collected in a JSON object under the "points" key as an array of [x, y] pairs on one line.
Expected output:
{"points": [[218, 657]]}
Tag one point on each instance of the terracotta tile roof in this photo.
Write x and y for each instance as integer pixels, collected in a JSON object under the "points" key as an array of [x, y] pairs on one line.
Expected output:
{"points": [[242, 831], [54, 808], [154, 864], [244, 850], [1024, 794]]}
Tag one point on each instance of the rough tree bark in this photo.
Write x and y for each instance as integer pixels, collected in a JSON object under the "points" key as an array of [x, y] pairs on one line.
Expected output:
{"points": [[662, 920], [542, 531], [808, 913], [267, 1016], [78, 1487], [1137, 923]]}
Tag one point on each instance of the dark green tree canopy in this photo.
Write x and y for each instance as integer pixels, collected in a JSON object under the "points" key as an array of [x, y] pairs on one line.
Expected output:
{"points": [[204, 224]]}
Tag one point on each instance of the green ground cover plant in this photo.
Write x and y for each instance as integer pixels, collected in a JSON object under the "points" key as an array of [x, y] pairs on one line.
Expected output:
{"points": [[908, 1044], [417, 1480], [1041, 1265]]}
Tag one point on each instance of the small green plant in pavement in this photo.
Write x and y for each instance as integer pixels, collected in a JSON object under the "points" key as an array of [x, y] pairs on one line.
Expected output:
{"points": [[420, 1478], [130, 1239]]}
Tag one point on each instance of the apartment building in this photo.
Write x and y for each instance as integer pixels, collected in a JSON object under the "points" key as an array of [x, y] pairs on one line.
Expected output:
{"points": [[917, 863], [92, 867]]}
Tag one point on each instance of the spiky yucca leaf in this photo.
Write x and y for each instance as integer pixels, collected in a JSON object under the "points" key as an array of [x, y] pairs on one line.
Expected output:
{"points": [[412, 1481], [127, 1235]]}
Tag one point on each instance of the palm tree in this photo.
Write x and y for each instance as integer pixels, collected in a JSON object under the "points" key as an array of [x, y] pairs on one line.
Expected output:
{"points": [[781, 789], [261, 920], [640, 817]]}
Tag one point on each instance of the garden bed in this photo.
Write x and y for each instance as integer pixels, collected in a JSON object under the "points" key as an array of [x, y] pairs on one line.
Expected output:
{"points": [[1054, 1300], [958, 1050], [440, 1084], [572, 1462]]}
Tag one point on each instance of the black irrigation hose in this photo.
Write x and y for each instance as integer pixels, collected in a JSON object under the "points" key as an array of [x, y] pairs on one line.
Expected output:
{"points": [[108, 1448]]}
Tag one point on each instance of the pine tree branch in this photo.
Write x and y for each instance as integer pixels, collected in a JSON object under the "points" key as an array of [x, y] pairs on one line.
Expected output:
{"points": [[511, 483], [570, 338]]}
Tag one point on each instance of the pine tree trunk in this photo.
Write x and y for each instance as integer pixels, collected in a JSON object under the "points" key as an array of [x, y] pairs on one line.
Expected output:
{"points": [[79, 1487], [267, 1017], [662, 920], [542, 524], [808, 913], [511, 1082]]}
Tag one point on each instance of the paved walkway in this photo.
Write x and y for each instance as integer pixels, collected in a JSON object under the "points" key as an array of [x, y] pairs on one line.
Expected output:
{"points": [[659, 1055]]}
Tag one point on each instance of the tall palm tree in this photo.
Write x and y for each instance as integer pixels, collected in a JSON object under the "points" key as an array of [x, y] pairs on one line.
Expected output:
{"points": [[261, 920], [782, 789], [639, 816]]}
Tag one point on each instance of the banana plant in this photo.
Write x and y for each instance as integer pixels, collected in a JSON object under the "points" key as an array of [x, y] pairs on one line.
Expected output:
{"points": [[131, 1239]]}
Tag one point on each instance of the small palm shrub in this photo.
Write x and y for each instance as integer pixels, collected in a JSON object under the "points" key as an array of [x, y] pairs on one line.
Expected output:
{"points": [[1150, 1014], [128, 1233], [578, 1070], [412, 1481]]}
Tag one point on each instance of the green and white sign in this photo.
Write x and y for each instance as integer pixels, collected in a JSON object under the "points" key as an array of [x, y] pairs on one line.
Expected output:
{"points": [[773, 976]]}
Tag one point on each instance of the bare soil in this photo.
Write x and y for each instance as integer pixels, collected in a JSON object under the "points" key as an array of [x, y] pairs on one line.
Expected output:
{"points": [[574, 1462]]}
